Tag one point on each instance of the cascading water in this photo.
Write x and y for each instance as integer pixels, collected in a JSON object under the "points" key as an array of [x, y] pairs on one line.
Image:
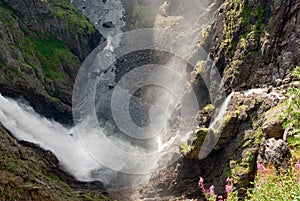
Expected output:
{"points": [[222, 111], [99, 147]]}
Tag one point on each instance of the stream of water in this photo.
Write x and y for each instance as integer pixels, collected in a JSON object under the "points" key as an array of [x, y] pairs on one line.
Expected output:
{"points": [[96, 148]]}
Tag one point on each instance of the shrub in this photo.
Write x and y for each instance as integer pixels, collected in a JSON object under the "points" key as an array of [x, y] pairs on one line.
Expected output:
{"points": [[292, 113]]}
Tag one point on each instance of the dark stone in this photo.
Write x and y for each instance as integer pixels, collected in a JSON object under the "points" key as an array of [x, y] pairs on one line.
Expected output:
{"points": [[108, 24], [276, 152]]}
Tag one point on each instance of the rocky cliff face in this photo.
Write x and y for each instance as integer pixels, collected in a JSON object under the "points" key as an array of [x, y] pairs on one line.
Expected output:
{"points": [[42, 46], [29, 173], [254, 44]]}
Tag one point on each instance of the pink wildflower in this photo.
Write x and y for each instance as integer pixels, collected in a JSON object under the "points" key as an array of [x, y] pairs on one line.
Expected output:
{"points": [[260, 167], [228, 188], [201, 185], [297, 166], [229, 185], [200, 182], [229, 180], [212, 190], [280, 184]]}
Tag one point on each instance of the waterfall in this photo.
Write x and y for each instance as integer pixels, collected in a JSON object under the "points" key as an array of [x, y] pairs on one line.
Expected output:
{"points": [[222, 111], [98, 147], [215, 129], [22, 121]]}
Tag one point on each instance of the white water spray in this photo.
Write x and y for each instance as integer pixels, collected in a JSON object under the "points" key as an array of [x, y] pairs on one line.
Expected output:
{"points": [[87, 151], [25, 124], [222, 111]]}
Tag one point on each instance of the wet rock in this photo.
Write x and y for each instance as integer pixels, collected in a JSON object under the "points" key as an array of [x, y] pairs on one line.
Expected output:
{"points": [[276, 152], [272, 124], [26, 71], [28, 172], [108, 24]]}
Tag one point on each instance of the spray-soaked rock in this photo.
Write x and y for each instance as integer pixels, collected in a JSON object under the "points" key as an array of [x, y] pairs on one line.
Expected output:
{"points": [[276, 152]]}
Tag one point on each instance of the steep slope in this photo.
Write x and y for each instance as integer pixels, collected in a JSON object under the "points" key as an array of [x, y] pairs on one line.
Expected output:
{"points": [[254, 44], [29, 173], [42, 46]]}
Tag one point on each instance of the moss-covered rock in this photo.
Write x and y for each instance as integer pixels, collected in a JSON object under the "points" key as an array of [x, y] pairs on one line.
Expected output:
{"points": [[30, 173], [272, 124], [42, 46]]}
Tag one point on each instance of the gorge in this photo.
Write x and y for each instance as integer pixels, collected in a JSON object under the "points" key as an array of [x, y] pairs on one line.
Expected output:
{"points": [[135, 100]]}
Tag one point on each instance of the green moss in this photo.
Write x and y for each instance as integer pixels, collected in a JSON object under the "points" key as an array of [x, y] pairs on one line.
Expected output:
{"points": [[275, 114], [209, 107], [7, 15], [251, 161], [50, 52], [291, 112], [231, 22], [237, 112], [246, 16], [201, 133], [11, 166], [53, 176], [226, 118], [186, 148], [258, 136], [143, 16], [259, 24], [243, 18], [66, 10], [2, 64]]}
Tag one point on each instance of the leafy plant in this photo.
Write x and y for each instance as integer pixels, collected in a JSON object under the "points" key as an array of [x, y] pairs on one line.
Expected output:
{"points": [[269, 186], [292, 113], [186, 148]]}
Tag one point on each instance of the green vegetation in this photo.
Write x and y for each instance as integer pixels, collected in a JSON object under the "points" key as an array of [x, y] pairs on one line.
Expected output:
{"points": [[66, 10], [41, 50], [285, 186], [269, 186], [248, 19], [143, 16], [53, 176], [247, 15], [186, 148], [10, 165], [51, 52], [2, 64], [6, 14], [209, 107], [26, 175], [292, 113]]}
